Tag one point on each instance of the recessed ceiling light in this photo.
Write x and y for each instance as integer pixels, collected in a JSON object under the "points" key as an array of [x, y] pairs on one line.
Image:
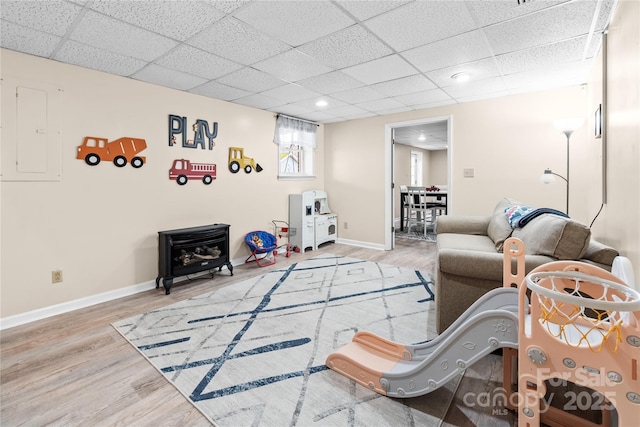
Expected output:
{"points": [[322, 103], [461, 77], [421, 138]]}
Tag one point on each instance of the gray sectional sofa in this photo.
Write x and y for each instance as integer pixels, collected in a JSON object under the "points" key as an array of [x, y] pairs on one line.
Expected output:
{"points": [[470, 258]]}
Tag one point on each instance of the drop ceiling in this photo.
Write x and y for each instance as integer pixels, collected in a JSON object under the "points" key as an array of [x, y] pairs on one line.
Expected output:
{"points": [[363, 58]]}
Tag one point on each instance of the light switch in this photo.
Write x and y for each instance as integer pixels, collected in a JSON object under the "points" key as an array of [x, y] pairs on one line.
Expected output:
{"points": [[468, 172]]}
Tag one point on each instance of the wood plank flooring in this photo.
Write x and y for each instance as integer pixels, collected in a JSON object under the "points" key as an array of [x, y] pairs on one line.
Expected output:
{"points": [[76, 370]]}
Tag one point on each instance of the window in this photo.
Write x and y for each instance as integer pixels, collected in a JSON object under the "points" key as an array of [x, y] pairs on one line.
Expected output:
{"points": [[416, 169], [296, 140]]}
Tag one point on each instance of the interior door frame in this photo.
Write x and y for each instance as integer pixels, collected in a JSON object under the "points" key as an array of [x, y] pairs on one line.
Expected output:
{"points": [[389, 200]]}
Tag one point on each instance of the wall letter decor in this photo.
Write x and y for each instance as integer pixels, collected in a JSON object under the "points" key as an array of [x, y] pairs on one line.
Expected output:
{"points": [[178, 125]]}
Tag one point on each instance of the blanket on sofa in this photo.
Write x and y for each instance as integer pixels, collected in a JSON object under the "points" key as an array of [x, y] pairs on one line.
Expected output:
{"points": [[520, 215]]}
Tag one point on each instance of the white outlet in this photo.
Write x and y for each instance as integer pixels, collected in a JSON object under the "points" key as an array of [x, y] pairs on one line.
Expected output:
{"points": [[468, 172], [56, 276]]}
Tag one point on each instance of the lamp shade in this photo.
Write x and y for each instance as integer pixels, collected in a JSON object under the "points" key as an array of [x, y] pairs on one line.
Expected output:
{"points": [[569, 124], [547, 177]]}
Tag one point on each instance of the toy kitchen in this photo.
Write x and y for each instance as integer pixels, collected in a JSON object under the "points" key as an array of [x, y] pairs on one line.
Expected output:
{"points": [[311, 220]]}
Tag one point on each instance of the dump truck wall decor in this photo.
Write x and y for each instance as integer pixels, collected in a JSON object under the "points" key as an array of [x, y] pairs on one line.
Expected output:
{"points": [[120, 151]]}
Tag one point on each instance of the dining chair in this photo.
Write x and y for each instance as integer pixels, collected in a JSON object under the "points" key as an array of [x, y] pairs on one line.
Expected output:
{"points": [[420, 214]]}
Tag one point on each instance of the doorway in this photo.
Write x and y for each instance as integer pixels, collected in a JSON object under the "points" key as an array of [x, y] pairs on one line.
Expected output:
{"points": [[410, 133]]}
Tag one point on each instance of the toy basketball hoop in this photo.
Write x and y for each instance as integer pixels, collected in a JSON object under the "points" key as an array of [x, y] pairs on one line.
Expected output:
{"points": [[582, 310]]}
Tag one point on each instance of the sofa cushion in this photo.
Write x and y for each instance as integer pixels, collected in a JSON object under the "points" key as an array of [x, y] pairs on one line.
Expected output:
{"points": [[555, 236], [600, 253], [499, 228]]}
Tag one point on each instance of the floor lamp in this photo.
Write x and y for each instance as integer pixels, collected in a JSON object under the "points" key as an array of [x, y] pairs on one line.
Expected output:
{"points": [[566, 126]]}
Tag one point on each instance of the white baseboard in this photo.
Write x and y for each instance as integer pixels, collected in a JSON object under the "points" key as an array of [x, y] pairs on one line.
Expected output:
{"points": [[360, 244], [65, 307]]}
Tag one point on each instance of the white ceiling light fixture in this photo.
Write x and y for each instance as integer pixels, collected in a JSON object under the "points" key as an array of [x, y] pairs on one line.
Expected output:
{"points": [[461, 77], [321, 103], [421, 137]]}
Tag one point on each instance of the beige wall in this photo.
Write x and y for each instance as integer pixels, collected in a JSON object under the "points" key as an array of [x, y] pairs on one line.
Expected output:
{"points": [[619, 222], [99, 224], [437, 168], [509, 142]]}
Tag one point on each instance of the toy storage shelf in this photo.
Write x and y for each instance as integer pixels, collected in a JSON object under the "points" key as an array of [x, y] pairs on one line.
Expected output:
{"points": [[192, 250]]}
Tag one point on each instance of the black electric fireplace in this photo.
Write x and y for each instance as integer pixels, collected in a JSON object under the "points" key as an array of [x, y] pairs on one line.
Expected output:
{"points": [[192, 250]]}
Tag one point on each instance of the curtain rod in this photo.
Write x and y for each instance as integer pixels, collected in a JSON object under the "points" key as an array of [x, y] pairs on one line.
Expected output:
{"points": [[297, 118]]}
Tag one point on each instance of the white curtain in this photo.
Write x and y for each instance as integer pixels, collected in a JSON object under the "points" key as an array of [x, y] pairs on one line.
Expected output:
{"points": [[291, 131]]}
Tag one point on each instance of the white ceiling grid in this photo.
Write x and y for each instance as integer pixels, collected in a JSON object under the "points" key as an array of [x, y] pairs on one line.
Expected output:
{"points": [[364, 58]]}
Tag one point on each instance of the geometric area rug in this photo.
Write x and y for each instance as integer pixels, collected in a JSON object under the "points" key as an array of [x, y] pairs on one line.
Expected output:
{"points": [[253, 353]]}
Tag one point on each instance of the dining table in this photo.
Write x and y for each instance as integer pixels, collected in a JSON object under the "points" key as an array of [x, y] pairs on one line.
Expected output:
{"points": [[440, 196]]}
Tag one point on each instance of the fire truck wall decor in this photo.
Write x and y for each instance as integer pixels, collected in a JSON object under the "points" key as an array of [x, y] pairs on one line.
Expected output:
{"points": [[183, 170], [201, 131], [120, 151]]}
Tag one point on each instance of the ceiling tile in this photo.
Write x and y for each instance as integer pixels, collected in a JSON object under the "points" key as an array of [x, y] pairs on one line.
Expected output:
{"points": [[421, 22], [394, 110], [435, 104], [259, 101], [293, 110], [381, 105], [489, 95], [236, 41], [425, 97], [115, 36], [53, 17], [477, 87], [478, 70], [23, 39], [359, 116], [310, 103], [547, 26], [491, 12], [320, 117], [379, 70], [604, 14], [217, 90], [405, 51], [566, 74], [227, 6], [197, 62], [175, 19], [351, 46], [542, 56], [458, 49], [294, 22], [335, 81], [368, 9], [347, 111], [291, 92], [76, 53], [169, 78], [251, 80], [361, 94], [404, 85], [292, 66]]}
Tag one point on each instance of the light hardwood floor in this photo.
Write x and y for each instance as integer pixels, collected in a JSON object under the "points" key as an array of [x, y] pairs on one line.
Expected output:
{"points": [[76, 370]]}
